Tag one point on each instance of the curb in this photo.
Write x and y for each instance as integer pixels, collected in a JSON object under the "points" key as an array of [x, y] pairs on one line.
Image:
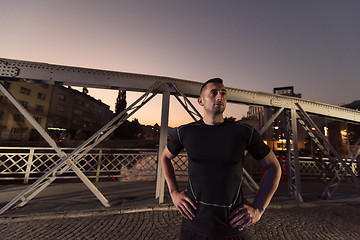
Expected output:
{"points": [[83, 214], [99, 213]]}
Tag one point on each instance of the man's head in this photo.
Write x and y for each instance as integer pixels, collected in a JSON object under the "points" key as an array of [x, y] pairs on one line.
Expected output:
{"points": [[213, 96], [213, 80]]}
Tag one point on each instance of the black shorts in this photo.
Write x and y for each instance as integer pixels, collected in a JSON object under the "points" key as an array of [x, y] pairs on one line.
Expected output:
{"points": [[186, 234]]}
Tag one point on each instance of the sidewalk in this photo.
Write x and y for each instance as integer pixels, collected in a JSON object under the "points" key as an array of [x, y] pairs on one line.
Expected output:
{"points": [[71, 211]]}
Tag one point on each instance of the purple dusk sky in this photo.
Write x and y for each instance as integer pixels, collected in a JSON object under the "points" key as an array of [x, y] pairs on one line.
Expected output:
{"points": [[312, 45]]}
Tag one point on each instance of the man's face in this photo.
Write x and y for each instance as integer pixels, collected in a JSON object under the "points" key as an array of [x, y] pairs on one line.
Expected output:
{"points": [[213, 98]]}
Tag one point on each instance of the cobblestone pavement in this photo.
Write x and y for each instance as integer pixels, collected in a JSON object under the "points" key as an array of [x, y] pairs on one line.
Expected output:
{"points": [[309, 221]]}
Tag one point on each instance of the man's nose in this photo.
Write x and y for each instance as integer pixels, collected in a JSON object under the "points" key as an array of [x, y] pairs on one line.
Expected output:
{"points": [[219, 97]]}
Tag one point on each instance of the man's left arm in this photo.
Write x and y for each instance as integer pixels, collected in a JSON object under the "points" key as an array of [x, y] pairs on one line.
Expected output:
{"points": [[250, 213]]}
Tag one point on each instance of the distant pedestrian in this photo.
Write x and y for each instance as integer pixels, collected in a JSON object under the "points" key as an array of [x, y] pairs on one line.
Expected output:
{"points": [[213, 206]]}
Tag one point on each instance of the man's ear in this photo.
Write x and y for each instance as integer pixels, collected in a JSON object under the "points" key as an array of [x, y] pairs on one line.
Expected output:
{"points": [[200, 101]]}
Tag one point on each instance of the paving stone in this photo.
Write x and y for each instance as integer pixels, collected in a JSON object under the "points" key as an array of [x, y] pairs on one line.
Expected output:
{"points": [[321, 221]]}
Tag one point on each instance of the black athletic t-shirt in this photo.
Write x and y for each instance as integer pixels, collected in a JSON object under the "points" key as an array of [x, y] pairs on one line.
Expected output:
{"points": [[215, 163]]}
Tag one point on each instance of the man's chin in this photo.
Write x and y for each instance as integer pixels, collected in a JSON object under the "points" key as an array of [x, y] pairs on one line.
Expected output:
{"points": [[219, 110]]}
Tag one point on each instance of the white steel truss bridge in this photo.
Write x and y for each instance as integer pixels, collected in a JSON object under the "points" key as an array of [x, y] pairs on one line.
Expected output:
{"points": [[296, 109]]}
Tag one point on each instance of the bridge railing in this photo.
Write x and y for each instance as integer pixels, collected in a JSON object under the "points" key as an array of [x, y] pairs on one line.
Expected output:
{"points": [[28, 163], [120, 164]]}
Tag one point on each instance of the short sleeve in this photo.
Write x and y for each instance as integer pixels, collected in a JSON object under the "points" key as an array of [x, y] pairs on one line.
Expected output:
{"points": [[174, 144], [257, 148]]}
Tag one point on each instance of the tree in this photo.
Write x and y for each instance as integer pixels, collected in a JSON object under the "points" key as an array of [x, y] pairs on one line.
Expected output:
{"points": [[128, 130], [85, 90], [230, 119], [120, 104]]}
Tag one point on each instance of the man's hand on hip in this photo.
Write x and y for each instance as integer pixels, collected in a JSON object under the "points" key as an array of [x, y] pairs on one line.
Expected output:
{"points": [[184, 204], [243, 216]]}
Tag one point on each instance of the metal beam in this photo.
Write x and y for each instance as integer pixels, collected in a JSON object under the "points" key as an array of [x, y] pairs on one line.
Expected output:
{"points": [[76, 76], [296, 156], [85, 77], [248, 180], [185, 103], [160, 179], [48, 139], [342, 166], [270, 121], [70, 160]]}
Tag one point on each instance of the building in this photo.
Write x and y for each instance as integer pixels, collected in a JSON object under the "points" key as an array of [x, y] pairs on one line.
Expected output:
{"points": [[275, 135], [74, 115], [340, 135], [287, 91], [351, 132], [65, 113], [35, 98]]}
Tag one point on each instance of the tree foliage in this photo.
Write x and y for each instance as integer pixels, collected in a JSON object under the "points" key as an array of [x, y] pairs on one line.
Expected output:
{"points": [[129, 129], [120, 104], [230, 119]]}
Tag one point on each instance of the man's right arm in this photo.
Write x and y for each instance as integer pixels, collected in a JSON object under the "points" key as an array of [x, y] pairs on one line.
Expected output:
{"points": [[182, 202]]}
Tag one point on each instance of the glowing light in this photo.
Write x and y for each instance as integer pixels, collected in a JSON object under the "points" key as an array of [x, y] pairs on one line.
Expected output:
{"points": [[326, 131]]}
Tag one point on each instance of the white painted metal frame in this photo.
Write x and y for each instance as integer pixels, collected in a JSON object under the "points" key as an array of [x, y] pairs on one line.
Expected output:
{"points": [[248, 180], [160, 179], [185, 104], [136, 82], [84, 77], [69, 161], [61, 154], [295, 160], [343, 167]]}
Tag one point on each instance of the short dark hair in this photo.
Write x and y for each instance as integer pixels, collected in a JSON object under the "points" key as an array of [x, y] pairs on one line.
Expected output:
{"points": [[213, 80]]}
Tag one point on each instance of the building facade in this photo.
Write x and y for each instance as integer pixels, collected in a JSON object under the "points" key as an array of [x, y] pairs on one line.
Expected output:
{"points": [[35, 98], [65, 113], [275, 136], [75, 115], [340, 135]]}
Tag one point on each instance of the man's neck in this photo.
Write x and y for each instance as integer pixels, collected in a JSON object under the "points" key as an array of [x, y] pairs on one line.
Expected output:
{"points": [[213, 120]]}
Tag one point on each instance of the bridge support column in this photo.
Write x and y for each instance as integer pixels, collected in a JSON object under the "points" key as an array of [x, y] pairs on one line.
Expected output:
{"points": [[297, 191], [160, 180]]}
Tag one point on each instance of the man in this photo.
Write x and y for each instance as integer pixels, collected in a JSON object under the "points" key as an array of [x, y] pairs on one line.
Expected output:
{"points": [[213, 206]]}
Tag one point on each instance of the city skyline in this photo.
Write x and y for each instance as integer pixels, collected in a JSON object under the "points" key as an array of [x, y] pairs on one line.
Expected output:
{"points": [[252, 45]]}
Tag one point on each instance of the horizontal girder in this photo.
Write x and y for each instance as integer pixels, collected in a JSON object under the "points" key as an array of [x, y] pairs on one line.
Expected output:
{"points": [[85, 77]]}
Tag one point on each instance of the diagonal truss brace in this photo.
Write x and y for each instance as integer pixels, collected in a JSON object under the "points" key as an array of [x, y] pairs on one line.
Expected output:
{"points": [[341, 165], [185, 103], [353, 154], [69, 161], [248, 180]]}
